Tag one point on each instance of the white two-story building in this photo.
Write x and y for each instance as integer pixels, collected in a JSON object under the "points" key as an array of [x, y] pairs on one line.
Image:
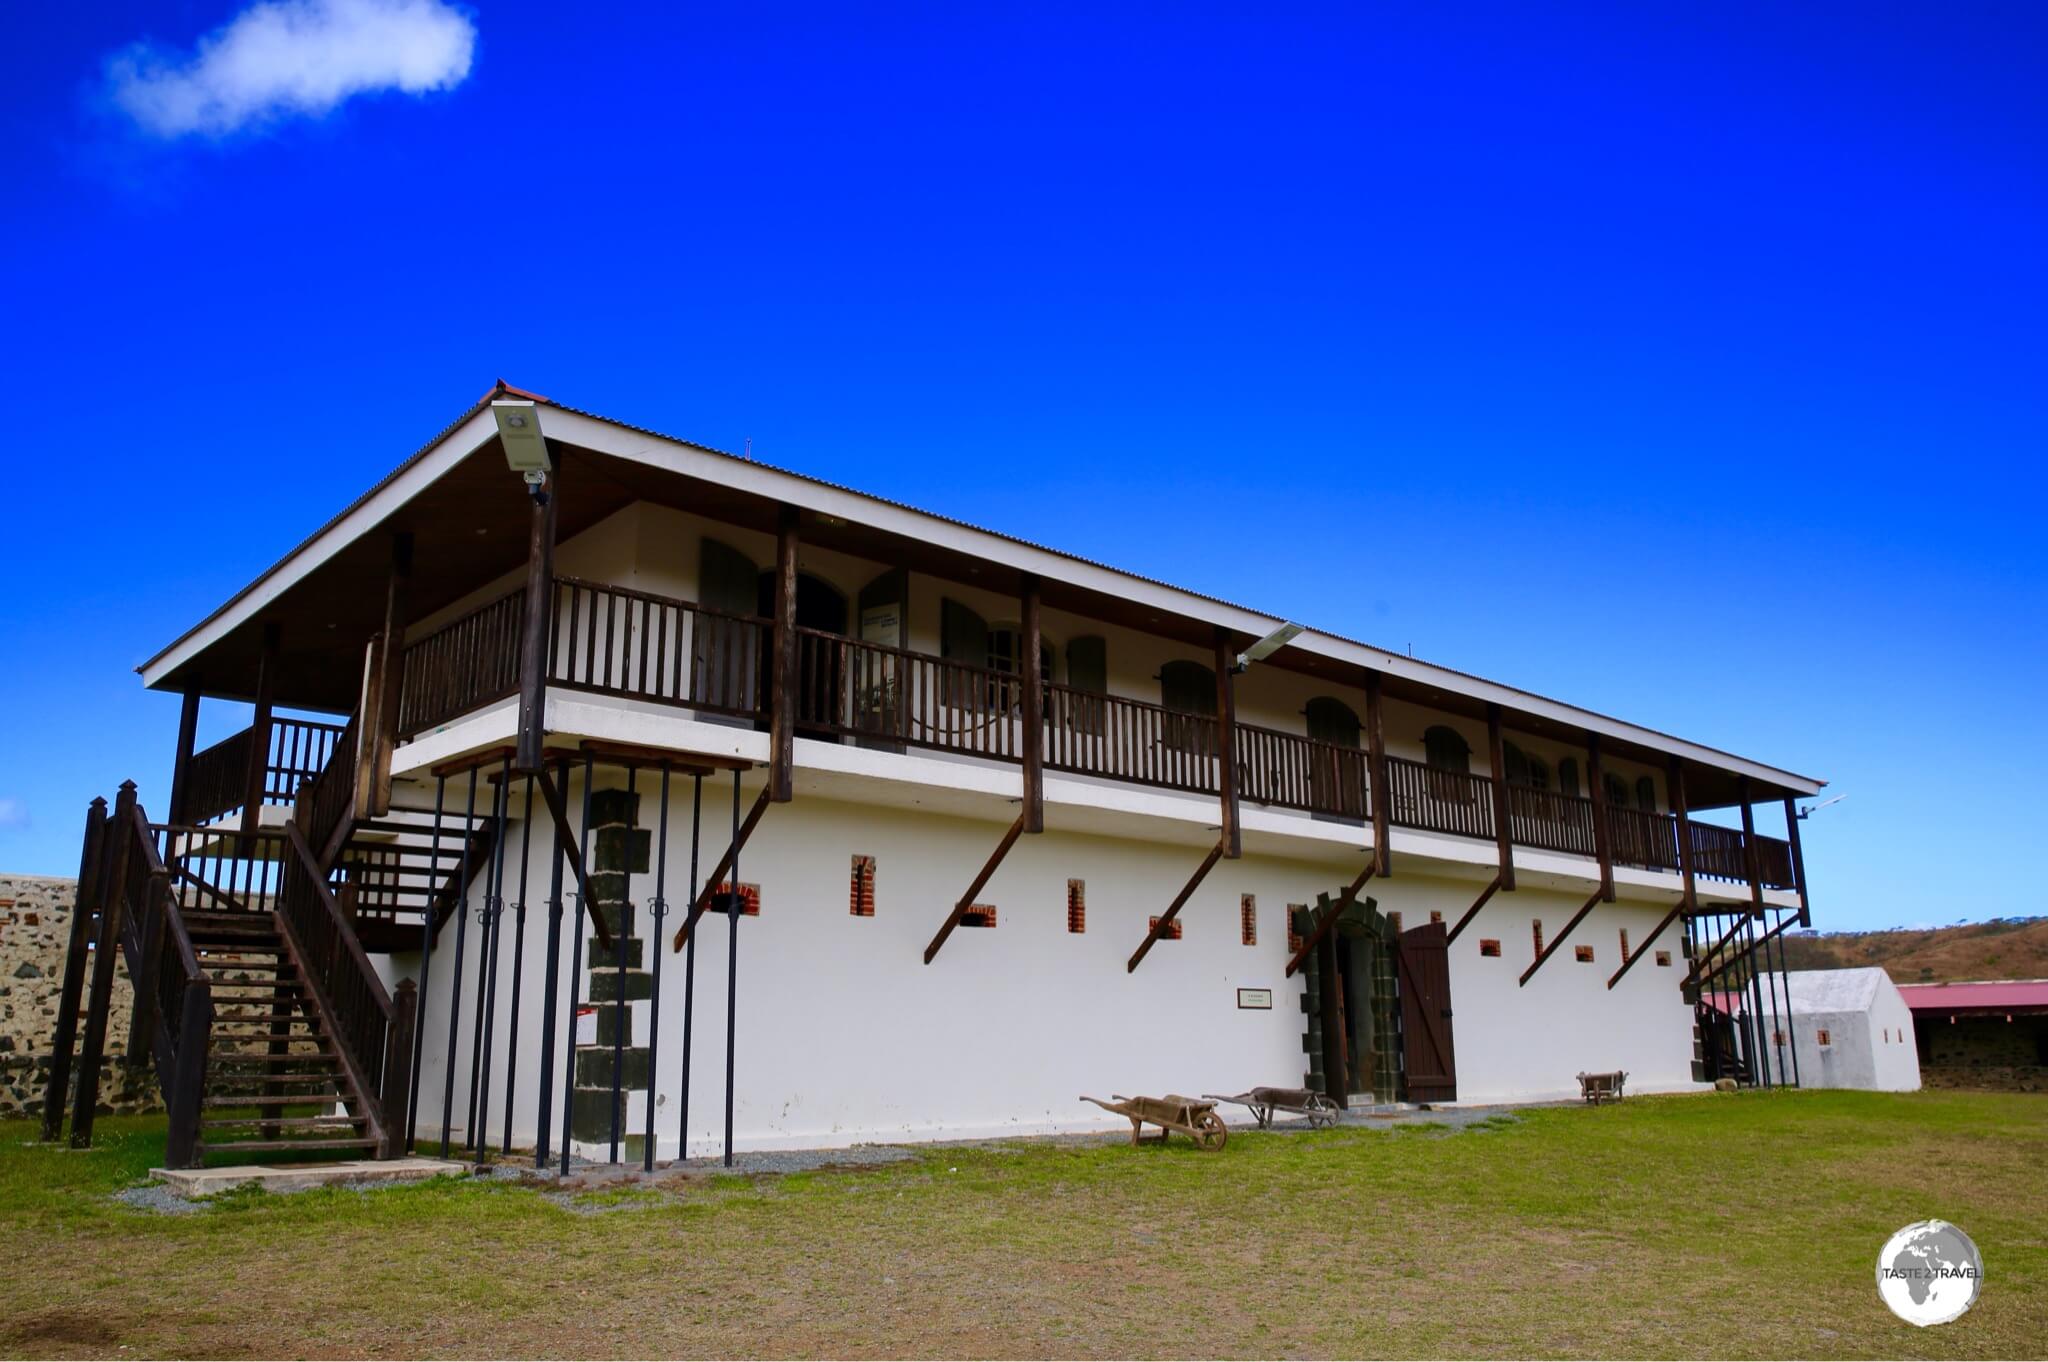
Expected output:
{"points": [[1012, 827]]}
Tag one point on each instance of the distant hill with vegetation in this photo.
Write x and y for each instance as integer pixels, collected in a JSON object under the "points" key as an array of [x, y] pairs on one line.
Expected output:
{"points": [[2003, 948]]}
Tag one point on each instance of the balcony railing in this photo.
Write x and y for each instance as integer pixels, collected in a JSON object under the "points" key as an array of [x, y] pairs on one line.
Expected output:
{"points": [[217, 778], [634, 645]]}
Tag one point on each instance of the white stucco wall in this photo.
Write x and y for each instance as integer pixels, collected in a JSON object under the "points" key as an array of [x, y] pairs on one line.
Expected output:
{"points": [[844, 1034]]}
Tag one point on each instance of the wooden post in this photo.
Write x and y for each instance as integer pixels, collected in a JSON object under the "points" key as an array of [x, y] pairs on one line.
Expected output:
{"points": [[1330, 985], [1034, 710], [1232, 840], [91, 860], [782, 689], [1798, 856], [397, 1082], [112, 894], [1750, 861], [259, 731], [534, 629], [1603, 835], [1376, 758], [378, 723], [181, 770], [1676, 780], [1503, 827]]}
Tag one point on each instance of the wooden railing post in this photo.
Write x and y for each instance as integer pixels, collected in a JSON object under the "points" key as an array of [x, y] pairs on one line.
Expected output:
{"points": [[1034, 710], [181, 769], [1603, 833], [187, 1089], [1798, 856], [533, 636], [149, 939], [1675, 780], [259, 730], [397, 1076], [1751, 863], [1376, 755], [378, 735], [106, 952], [1232, 840], [91, 887], [782, 673], [1503, 828]]}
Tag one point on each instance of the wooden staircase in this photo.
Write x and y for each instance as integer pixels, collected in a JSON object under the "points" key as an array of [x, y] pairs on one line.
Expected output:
{"points": [[276, 1084]]}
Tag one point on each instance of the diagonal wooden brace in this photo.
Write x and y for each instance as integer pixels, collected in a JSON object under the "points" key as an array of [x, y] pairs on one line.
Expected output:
{"points": [[703, 899], [1493, 887], [1648, 941], [558, 814], [1173, 909], [1329, 922], [1552, 948], [967, 899]]}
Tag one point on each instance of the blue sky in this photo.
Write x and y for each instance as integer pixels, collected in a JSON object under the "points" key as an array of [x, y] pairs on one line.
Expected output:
{"points": [[1685, 362]]}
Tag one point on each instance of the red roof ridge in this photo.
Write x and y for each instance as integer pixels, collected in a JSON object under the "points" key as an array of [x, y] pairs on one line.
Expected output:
{"points": [[501, 389]]}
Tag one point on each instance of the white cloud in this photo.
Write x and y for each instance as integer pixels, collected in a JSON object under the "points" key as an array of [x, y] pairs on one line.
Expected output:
{"points": [[13, 813], [292, 57]]}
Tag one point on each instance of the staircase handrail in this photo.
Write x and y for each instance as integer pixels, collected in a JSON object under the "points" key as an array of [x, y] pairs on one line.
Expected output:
{"points": [[174, 996], [363, 1018]]}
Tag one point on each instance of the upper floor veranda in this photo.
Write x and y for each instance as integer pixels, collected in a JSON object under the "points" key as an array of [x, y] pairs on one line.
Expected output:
{"points": [[699, 602]]}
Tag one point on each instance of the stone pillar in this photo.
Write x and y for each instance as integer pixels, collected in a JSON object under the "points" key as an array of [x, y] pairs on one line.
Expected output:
{"points": [[619, 864]]}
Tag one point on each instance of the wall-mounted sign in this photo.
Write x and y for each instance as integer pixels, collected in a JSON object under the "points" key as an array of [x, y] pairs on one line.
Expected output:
{"points": [[1260, 999]]}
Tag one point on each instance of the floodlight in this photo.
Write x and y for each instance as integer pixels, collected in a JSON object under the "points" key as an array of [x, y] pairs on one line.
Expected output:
{"points": [[1269, 645], [526, 449]]}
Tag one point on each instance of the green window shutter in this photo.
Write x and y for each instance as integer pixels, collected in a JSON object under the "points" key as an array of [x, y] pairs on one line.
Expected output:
{"points": [[726, 579], [1088, 664], [726, 654], [963, 638], [1332, 721], [1187, 688], [1646, 794]]}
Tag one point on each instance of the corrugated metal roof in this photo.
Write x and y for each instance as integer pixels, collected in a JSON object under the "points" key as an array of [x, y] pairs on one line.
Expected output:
{"points": [[1990, 995]]}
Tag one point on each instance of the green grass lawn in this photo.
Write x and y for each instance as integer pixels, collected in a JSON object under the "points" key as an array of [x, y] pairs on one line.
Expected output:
{"points": [[1744, 1225]]}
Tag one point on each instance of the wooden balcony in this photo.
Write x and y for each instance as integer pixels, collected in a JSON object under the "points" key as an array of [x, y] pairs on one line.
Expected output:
{"points": [[633, 645]]}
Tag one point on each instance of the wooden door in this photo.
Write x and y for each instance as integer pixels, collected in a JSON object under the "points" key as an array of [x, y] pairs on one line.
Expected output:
{"points": [[1422, 966]]}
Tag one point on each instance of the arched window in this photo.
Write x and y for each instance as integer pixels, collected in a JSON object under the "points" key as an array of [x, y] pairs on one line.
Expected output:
{"points": [[1616, 790], [1447, 750], [1568, 777], [1646, 794]]}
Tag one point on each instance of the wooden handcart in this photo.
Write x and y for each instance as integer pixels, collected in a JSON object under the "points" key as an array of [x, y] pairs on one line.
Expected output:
{"points": [[1319, 1109], [1196, 1120]]}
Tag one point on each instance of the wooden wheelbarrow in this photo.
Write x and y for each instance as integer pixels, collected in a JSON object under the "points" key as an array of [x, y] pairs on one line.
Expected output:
{"points": [[1319, 1109], [1607, 1087], [1196, 1120]]}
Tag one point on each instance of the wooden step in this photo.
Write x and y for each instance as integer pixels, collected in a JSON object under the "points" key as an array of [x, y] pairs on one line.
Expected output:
{"points": [[277, 1145], [303, 1056], [313, 1123]]}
